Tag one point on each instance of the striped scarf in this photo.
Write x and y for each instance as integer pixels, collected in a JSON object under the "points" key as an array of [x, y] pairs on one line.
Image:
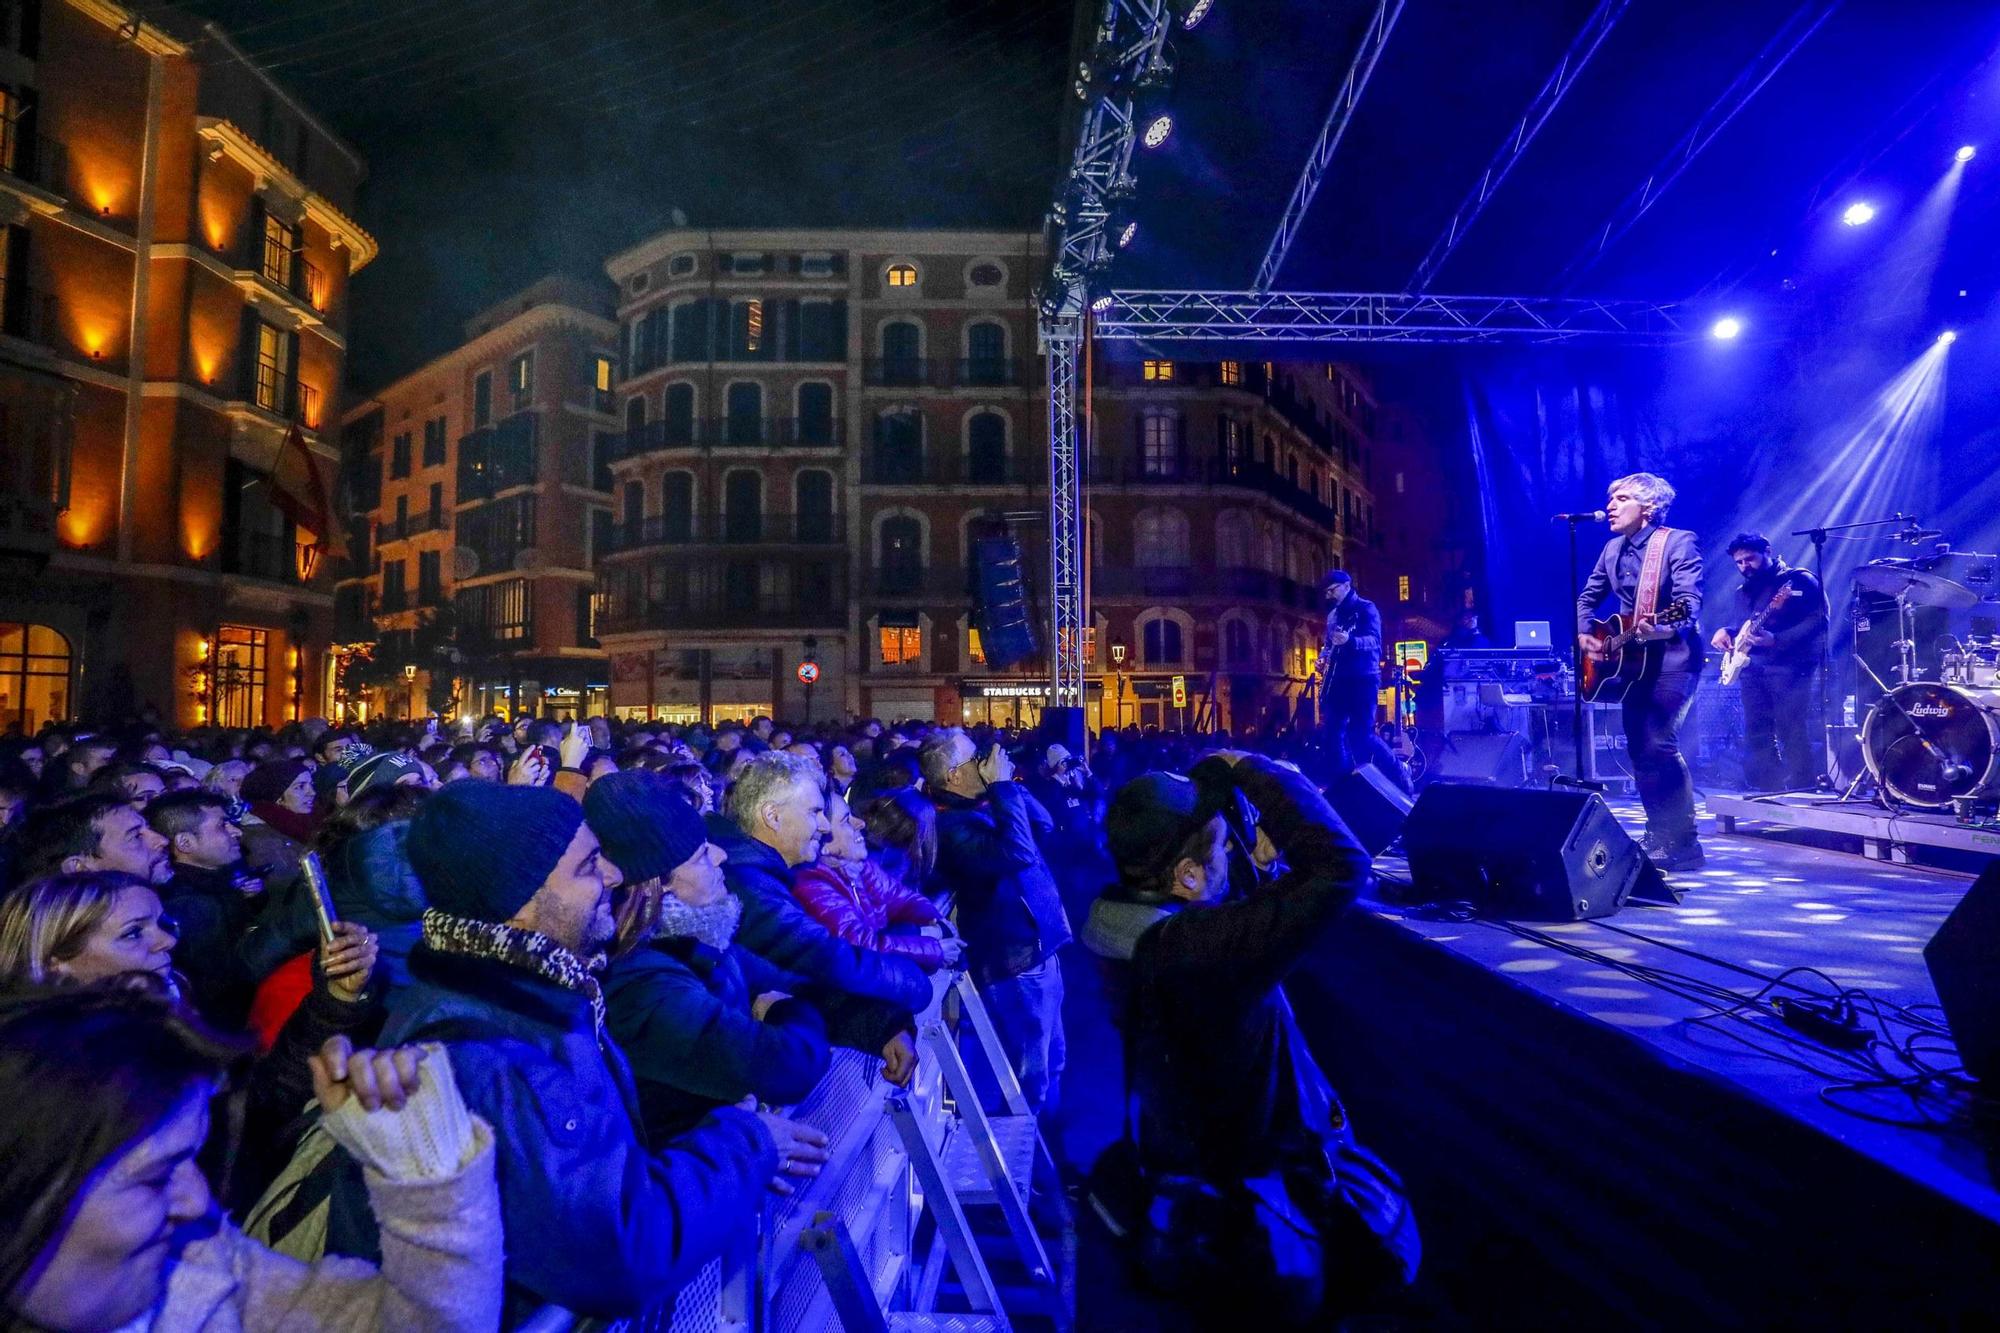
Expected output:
{"points": [[529, 950]]}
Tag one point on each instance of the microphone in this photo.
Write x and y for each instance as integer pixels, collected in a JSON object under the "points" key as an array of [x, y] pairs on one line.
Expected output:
{"points": [[1955, 772], [1594, 516]]}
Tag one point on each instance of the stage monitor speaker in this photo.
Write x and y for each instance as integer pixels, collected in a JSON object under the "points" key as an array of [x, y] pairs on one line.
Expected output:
{"points": [[1521, 852], [1495, 758], [1373, 808], [1964, 961], [1006, 631]]}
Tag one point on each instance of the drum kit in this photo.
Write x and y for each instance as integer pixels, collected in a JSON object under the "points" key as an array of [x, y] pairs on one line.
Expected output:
{"points": [[1932, 741]]}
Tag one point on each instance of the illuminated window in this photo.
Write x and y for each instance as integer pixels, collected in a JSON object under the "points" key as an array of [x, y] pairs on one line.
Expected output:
{"points": [[1163, 371], [747, 327], [274, 354], [521, 379], [11, 111], [902, 275], [1232, 372], [280, 244], [1160, 445], [34, 677], [600, 383], [1402, 587], [239, 676], [603, 376], [975, 650], [901, 647]]}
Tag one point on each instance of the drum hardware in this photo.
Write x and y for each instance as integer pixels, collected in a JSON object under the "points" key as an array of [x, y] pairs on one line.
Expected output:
{"points": [[1908, 762]]}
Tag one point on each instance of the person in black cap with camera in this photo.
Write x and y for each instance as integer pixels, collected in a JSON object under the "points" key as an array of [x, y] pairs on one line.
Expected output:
{"points": [[1237, 1127], [1350, 666]]}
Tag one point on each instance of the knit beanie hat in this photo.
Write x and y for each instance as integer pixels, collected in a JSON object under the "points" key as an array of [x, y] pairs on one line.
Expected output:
{"points": [[482, 849], [269, 781], [381, 770], [1148, 820], [645, 822]]}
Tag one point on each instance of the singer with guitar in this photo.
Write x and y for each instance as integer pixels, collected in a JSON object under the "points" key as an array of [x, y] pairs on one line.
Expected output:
{"points": [[1776, 652], [1648, 569]]}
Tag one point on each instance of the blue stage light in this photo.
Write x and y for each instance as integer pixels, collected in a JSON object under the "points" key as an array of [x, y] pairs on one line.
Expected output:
{"points": [[1726, 328], [1965, 154], [1157, 132], [1859, 214], [1948, 337]]}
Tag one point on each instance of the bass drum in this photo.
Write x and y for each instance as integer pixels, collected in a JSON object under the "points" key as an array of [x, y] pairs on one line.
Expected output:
{"points": [[1941, 744]]}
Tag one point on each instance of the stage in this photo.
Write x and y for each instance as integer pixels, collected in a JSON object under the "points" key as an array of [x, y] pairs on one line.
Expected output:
{"points": [[1591, 1147]]}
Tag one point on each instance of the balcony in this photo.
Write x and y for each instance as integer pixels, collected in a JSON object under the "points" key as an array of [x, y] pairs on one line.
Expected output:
{"points": [[766, 529], [926, 582], [736, 594], [1232, 583], [353, 615], [260, 555], [500, 457], [739, 432], [913, 372], [393, 600], [34, 160], [1214, 471], [893, 467], [395, 530]]}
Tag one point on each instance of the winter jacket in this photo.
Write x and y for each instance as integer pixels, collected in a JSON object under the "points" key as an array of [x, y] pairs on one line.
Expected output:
{"points": [[441, 1247], [1009, 909], [859, 903], [778, 930], [597, 1223], [1225, 1082], [213, 918], [372, 884], [681, 1013]]}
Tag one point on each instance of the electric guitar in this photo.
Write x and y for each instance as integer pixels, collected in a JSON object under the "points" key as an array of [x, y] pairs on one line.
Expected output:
{"points": [[1606, 677], [1738, 655]]}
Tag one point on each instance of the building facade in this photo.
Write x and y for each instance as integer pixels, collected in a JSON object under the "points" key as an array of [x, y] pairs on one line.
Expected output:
{"points": [[173, 295], [480, 488], [818, 424]]}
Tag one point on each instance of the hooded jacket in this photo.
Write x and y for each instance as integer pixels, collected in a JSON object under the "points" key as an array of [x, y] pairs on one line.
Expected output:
{"points": [[777, 929], [1226, 1084], [373, 884], [213, 919], [1009, 908]]}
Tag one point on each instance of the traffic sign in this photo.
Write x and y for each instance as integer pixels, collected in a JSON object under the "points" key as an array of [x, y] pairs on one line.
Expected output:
{"points": [[1180, 691], [808, 672]]}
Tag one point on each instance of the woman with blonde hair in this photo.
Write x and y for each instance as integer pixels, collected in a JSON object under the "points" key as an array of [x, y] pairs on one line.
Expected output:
{"points": [[82, 928]]}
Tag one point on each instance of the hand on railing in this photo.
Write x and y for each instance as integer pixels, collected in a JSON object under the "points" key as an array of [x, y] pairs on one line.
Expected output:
{"points": [[802, 1150], [899, 1060]]}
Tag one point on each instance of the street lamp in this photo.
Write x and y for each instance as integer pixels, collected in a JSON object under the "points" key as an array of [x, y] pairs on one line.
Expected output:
{"points": [[1117, 654]]}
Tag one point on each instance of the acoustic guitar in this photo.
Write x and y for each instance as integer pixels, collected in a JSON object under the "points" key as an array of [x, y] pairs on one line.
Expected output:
{"points": [[1738, 656], [1606, 677]]}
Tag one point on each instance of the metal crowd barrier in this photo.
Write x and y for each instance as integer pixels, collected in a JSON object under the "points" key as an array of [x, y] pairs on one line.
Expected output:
{"points": [[854, 1241]]}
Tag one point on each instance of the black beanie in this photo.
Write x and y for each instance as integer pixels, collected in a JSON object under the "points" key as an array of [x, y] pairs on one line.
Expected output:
{"points": [[269, 781], [645, 822], [1148, 821], [482, 849]]}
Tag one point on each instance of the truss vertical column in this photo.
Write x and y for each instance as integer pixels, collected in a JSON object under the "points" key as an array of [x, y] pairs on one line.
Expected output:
{"points": [[1063, 339]]}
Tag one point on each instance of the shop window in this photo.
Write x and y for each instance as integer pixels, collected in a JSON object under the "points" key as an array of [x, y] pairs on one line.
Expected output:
{"points": [[240, 656], [34, 677]]}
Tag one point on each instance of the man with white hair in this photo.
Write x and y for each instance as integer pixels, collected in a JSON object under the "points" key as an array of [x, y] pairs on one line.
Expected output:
{"points": [[1645, 562]]}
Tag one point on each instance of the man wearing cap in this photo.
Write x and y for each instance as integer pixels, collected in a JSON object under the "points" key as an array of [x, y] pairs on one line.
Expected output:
{"points": [[1350, 664], [1063, 783], [389, 768], [704, 1021], [1229, 1095], [520, 910]]}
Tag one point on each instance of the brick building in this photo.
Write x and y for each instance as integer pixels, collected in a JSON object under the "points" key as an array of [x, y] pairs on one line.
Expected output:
{"points": [[816, 425], [173, 293], [480, 483]]}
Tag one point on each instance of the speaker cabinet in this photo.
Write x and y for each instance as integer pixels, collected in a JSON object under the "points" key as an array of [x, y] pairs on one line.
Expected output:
{"points": [[1371, 806], [1496, 758], [1964, 961], [1525, 853]]}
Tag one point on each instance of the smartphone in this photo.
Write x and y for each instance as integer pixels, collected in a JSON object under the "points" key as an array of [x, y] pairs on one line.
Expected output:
{"points": [[322, 897]]}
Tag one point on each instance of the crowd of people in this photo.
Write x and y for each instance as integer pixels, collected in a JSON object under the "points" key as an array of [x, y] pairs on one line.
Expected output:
{"points": [[312, 1025]]}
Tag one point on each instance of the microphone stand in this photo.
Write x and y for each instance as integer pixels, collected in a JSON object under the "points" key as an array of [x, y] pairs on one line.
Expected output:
{"points": [[1576, 689], [1818, 539]]}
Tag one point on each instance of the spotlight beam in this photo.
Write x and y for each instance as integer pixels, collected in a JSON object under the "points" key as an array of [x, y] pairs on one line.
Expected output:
{"points": [[1804, 22], [1595, 29], [1373, 41]]}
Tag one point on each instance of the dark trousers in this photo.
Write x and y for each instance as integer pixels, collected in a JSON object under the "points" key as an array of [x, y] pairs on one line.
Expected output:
{"points": [[1784, 746], [1653, 714], [1347, 721]]}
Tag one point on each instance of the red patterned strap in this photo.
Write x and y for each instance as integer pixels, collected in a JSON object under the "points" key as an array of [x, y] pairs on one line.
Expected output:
{"points": [[1649, 574]]}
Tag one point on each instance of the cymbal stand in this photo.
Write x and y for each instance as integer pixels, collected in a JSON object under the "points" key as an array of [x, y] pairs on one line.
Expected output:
{"points": [[1818, 538]]}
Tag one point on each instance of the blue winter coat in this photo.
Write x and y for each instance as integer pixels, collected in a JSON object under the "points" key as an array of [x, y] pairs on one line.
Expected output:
{"points": [[778, 930], [595, 1222], [1009, 909]]}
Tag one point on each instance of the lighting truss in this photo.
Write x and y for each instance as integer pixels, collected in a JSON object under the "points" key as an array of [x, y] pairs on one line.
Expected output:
{"points": [[1349, 317], [1804, 22], [1066, 548], [1128, 53], [1373, 40], [1595, 29]]}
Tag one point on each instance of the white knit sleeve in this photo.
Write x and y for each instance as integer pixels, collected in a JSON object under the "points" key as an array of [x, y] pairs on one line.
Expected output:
{"points": [[429, 1139]]}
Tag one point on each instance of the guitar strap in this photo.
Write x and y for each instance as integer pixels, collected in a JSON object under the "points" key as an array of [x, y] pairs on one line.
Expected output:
{"points": [[1649, 574]]}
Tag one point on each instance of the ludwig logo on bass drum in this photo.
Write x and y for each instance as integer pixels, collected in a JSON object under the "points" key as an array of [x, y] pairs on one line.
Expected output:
{"points": [[1928, 710]]}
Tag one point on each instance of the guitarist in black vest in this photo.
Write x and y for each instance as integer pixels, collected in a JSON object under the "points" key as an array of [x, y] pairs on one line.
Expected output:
{"points": [[1658, 701], [1783, 742]]}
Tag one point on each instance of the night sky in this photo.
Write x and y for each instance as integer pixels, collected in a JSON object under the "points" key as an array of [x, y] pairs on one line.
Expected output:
{"points": [[506, 139]]}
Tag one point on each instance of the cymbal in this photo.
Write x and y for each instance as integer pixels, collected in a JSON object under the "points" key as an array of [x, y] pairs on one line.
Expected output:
{"points": [[1895, 580]]}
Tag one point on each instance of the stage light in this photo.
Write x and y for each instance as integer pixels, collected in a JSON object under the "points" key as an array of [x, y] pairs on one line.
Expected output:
{"points": [[1965, 154], [1157, 132], [1125, 236], [1948, 337], [1726, 328], [1196, 13], [1859, 214], [1101, 304]]}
